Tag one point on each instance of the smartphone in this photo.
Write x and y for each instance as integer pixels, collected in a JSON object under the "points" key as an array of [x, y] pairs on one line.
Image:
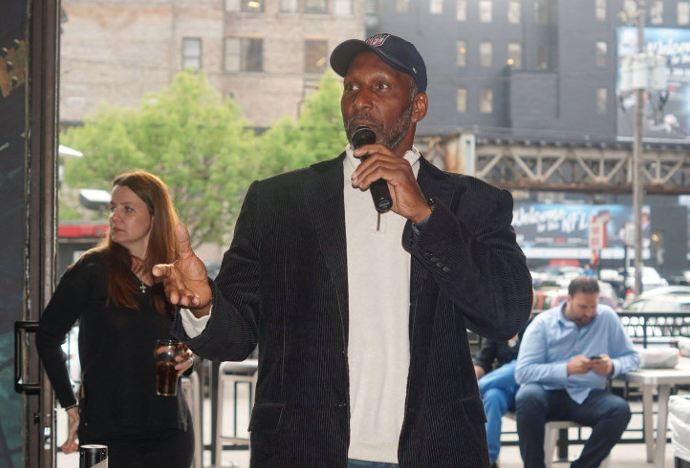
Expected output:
{"points": [[595, 357]]}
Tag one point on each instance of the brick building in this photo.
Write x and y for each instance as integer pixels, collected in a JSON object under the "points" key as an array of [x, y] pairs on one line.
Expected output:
{"points": [[266, 54]]}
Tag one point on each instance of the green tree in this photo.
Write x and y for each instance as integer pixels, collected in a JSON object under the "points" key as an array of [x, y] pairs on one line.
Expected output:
{"points": [[196, 141], [317, 135]]}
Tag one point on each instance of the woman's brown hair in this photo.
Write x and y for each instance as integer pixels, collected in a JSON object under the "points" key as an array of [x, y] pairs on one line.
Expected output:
{"points": [[161, 246]]}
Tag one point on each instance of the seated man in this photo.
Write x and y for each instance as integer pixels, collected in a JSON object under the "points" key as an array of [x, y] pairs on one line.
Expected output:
{"points": [[566, 355], [497, 387]]}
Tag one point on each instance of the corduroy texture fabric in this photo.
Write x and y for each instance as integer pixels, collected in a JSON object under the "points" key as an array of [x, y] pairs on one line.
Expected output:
{"points": [[283, 283]]}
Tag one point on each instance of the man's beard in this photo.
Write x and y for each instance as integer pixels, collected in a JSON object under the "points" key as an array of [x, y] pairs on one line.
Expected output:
{"points": [[390, 139]]}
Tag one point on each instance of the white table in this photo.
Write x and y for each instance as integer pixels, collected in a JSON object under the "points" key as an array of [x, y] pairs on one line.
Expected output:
{"points": [[663, 379]]}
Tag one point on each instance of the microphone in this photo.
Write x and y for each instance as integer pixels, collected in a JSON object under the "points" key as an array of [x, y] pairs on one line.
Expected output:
{"points": [[379, 189]]}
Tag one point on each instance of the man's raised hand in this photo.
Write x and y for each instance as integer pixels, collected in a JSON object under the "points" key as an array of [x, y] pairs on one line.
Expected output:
{"points": [[185, 281]]}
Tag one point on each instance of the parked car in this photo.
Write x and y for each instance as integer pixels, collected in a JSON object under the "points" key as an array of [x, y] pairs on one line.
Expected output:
{"points": [[660, 329], [659, 303], [650, 278], [666, 290]]}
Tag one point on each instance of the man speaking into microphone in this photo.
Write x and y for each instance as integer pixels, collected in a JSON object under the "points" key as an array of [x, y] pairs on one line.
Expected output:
{"points": [[360, 307]]}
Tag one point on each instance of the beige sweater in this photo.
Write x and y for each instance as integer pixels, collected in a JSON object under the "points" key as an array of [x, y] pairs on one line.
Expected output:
{"points": [[378, 275]]}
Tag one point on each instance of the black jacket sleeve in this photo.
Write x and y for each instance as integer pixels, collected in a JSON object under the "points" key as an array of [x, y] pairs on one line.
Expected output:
{"points": [[58, 318]]}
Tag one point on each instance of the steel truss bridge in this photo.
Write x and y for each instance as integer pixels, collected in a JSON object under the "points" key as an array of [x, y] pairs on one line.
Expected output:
{"points": [[582, 166]]}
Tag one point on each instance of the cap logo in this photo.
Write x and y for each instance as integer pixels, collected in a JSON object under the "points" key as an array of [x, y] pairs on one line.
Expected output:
{"points": [[378, 40]]}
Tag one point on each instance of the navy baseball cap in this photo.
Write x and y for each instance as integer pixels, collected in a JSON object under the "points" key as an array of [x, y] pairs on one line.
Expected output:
{"points": [[396, 52]]}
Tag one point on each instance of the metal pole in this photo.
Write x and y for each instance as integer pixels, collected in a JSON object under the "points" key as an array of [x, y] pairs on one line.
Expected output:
{"points": [[638, 186]]}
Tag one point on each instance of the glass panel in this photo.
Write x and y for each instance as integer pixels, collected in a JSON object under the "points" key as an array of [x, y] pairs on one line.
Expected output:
{"points": [[656, 13], [436, 7], [515, 55], [288, 6], [601, 10], [601, 54], [253, 55], [253, 5], [232, 54], [461, 10], [314, 56], [343, 7], [485, 11], [683, 13], [486, 52], [514, 12], [462, 53], [602, 96], [402, 6], [462, 100], [315, 6], [191, 53], [487, 101]]}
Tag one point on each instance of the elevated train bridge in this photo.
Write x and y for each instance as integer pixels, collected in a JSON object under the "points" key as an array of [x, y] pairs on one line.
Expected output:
{"points": [[582, 166]]}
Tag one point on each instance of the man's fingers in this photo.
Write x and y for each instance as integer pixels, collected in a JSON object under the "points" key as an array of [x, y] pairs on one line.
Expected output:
{"points": [[184, 248], [162, 271]]}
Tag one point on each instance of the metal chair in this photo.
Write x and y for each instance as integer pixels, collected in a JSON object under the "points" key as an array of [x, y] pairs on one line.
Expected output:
{"points": [[233, 374], [191, 387], [551, 432]]}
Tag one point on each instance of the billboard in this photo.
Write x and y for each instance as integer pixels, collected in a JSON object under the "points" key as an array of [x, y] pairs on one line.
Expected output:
{"points": [[561, 230], [665, 116]]}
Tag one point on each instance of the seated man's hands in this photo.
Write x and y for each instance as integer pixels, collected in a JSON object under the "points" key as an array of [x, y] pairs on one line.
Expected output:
{"points": [[603, 365], [185, 281], [579, 365]]}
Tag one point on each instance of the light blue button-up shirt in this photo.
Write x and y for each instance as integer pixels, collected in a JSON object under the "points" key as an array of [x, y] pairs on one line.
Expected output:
{"points": [[551, 340]]}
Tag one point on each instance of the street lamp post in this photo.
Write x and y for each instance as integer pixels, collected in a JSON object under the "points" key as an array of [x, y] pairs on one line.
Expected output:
{"points": [[638, 185]]}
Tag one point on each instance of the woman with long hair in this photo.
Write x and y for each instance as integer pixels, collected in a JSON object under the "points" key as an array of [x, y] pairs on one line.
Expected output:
{"points": [[121, 313]]}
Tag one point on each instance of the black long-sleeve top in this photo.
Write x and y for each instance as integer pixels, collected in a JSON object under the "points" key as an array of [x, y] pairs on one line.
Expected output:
{"points": [[116, 347]]}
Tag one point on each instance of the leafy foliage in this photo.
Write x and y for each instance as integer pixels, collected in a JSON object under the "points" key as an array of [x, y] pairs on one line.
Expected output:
{"points": [[201, 145]]}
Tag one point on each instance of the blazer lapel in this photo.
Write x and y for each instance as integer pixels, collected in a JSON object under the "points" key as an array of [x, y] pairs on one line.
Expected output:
{"points": [[324, 196]]}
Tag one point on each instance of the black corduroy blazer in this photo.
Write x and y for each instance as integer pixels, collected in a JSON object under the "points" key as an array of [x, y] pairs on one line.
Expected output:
{"points": [[283, 284]]}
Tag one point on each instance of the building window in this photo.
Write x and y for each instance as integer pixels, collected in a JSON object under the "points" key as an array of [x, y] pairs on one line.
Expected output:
{"points": [[486, 54], [683, 13], [600, 12], [232, 5], [543, 57], [601, 54], [541, 13], [343, 7], [288, 6], [402, 6], [191, 53], [436, 7], [602, 97], [656, 13], [514, 12], [486, 103], [462, 53], [486, 11], [462, 100], [515, 55], [461, 10], [314, 56], [256, 6], [316, 6], [244, 54]]}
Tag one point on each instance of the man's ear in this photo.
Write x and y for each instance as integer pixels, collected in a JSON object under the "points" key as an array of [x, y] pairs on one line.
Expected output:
{"points": [[420, 104]]}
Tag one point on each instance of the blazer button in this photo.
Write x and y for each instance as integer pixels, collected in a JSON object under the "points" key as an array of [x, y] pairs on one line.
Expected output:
{"points": [[342, 405], [428, 255], [440, 265], [446, 269]]}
